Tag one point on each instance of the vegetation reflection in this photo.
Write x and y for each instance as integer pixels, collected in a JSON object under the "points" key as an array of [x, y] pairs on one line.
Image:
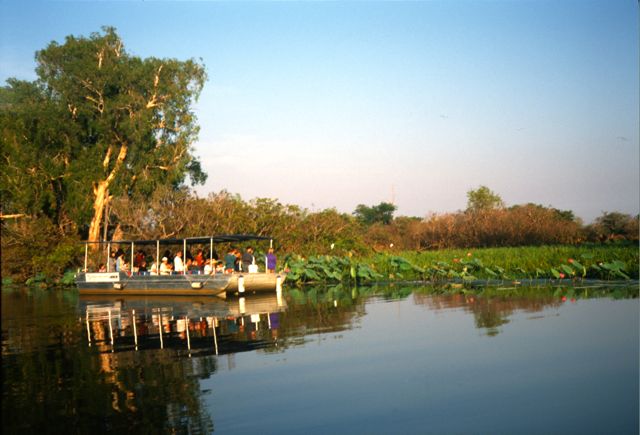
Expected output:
{"points": [[136, 365]]}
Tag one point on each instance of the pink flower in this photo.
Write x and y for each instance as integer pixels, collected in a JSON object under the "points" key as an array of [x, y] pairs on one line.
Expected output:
{"points": [[561, 275], [564, 299], [570, 260], [455, 260]]}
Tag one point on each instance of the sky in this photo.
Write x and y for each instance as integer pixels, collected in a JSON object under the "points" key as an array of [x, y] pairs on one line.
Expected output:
{"points": [[335, 104]]}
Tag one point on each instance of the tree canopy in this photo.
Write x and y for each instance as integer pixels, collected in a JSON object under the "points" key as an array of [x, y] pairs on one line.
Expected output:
{"points": [[97, 122], [483, 198], [381, 213]]}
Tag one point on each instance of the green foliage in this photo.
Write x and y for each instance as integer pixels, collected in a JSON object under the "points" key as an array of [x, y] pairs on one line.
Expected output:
{"points": [[52, 264], [95, 116], [614, 226], [328, 268], [483, 198], [381, 213], [543, 263]]}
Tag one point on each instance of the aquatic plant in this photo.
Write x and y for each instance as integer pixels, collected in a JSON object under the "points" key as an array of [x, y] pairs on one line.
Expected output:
{"points": [[508, 264]]}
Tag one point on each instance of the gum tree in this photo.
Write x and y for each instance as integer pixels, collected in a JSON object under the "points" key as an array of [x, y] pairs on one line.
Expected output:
{"points": [[98, 122]]}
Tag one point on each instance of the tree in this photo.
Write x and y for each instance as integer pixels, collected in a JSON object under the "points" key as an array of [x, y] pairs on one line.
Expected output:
{"points": [[97, 122], [381, 213], [614, 225], [483, 199]]}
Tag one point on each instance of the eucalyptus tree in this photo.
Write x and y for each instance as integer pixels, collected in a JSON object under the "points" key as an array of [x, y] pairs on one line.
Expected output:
{"points": [[97, 122], [381, 213], [482, 199]]}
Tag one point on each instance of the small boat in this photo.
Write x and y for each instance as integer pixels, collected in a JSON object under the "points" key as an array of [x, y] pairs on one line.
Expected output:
{"points": [[194, 283]]}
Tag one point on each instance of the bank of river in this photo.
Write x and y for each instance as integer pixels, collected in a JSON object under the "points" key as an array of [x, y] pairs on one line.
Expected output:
{"points": [[386, 359]]}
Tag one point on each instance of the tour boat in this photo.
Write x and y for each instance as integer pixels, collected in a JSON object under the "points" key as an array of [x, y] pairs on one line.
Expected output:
{"points": [[192, 283]]}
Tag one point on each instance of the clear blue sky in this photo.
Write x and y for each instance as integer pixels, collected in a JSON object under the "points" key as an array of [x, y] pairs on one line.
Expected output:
{"points": [[333, 104]]}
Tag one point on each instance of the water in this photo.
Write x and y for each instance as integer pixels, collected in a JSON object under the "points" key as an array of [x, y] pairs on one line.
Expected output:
{"points": [[375, 360]]}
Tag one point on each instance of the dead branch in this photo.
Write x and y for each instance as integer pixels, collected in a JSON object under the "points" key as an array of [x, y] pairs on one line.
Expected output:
{"points": [[12, 216], [100, 55], [107, 157], [153, 102]]}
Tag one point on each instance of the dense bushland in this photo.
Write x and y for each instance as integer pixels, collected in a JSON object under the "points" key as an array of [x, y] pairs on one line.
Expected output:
{"points": [[34, 246]]}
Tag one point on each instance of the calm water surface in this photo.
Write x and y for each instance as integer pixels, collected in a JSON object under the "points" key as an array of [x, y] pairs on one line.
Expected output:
{"points": [[380, 360]]}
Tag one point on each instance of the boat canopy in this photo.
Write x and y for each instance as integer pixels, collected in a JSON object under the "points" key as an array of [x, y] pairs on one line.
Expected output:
{"points": [[220, 238]]}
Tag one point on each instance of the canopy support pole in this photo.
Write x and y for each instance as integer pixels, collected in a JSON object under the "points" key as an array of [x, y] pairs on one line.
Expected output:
{"points": [[108, 257], [184, 256], [211, 255]]}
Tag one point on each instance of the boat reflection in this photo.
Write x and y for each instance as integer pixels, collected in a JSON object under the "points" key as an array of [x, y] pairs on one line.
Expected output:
{"points": [[197, 327]]}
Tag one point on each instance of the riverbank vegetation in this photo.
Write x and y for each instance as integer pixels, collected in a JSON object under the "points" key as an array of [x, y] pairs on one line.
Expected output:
{"points": [[100, 147], [540, 263], [328, 246]]}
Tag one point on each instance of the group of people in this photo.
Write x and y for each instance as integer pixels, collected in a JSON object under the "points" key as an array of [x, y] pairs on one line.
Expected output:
{"points": [[201, 263], [236, 261]]}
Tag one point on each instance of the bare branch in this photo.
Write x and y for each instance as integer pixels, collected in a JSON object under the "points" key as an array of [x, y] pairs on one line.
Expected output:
{"points": [[12, 216], [100, 55], [153, 102], [107, 157]]}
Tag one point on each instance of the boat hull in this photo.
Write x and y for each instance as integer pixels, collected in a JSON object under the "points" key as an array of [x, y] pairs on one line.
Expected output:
{"points": [[120, 283], [254, 282]]}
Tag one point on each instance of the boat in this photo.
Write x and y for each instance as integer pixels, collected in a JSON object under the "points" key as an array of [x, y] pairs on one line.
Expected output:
{"points": [[194, 283]]}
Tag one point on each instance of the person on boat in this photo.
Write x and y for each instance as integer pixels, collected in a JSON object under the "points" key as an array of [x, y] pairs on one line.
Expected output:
{"points": [[138, 259], [271, 261], [142, 269], [238, 264], [102, 268], [192, 268], [199, 259], [178, 265], [230, 261], [120, 260], [124, 266], [219, 266], [207, 267], [154, 268], [247, 259], [111, 264], [165, 268]]}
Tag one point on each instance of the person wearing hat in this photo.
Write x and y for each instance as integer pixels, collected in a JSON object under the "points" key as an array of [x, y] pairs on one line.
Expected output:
{"points": [[164, 267]]}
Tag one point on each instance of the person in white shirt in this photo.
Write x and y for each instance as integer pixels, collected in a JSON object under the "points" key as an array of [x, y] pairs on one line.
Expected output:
{"points": [[208, 269], [165, 269], [178, 264]]}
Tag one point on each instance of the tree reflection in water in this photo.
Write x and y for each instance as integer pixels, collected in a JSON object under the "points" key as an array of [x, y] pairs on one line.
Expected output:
{"points": [[135, 365]]}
